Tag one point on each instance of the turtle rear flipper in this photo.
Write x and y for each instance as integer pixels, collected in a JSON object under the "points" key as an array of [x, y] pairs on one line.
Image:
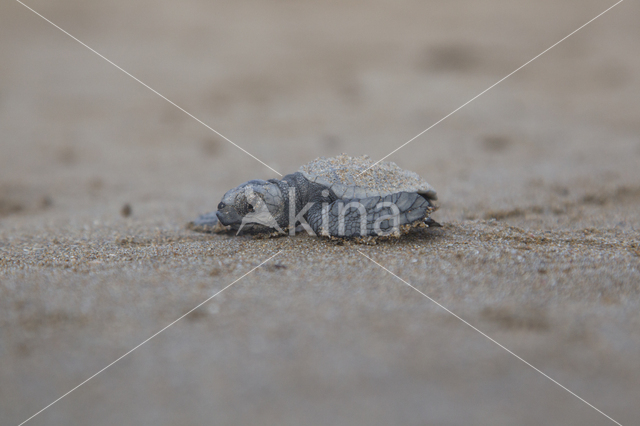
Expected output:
{"points": [[432, 223]]}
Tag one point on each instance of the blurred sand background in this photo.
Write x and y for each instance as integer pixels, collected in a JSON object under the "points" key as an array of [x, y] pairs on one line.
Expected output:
{"points": [[538, 181]]}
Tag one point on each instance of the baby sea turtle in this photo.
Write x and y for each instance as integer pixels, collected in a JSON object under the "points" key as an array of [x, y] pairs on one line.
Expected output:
{"points": [[330, 197]]}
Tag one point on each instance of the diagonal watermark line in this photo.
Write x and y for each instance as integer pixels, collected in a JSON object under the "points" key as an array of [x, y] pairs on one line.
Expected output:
{"points": [[145, 341], [494, 341], [155, 91], [489, 88]]}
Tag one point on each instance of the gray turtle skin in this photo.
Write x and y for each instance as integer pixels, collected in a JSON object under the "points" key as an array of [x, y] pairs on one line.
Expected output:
{"points": [[326, 187]]}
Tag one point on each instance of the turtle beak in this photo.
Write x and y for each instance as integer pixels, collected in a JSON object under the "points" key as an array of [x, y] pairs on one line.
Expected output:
{"points": [[228, 216]]}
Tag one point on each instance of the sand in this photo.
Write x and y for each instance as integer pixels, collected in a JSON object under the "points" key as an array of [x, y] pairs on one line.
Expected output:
{"points": [[538, 188]]}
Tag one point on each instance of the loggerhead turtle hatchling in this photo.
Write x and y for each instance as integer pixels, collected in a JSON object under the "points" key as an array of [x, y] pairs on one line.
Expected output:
{"points": [[329, 197]]}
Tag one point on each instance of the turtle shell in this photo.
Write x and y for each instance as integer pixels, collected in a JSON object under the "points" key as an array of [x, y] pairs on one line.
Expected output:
{"points": [[342, 175]]}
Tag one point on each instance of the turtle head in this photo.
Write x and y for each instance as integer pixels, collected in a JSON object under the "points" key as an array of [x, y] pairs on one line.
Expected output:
{"points": [[252, 207]]}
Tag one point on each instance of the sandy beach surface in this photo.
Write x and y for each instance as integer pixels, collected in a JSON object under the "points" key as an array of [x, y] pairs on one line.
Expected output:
{"points": [[539, 192]]}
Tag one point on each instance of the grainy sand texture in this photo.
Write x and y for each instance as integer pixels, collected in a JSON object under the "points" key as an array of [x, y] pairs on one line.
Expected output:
{"points": [[538, 184]]}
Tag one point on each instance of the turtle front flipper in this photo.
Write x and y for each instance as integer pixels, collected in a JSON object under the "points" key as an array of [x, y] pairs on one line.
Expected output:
{"points": [[208, 223], [390, 215]]}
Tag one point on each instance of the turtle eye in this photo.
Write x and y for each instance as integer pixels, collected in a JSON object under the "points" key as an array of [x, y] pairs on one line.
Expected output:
{"points": [[250, 207], [221, 205]]}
